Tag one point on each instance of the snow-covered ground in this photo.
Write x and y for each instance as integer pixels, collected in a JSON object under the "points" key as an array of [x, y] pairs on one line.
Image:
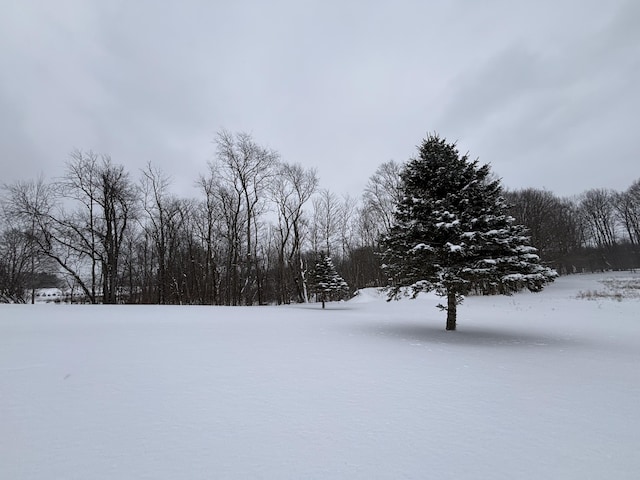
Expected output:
{"points": [[531, 386]]}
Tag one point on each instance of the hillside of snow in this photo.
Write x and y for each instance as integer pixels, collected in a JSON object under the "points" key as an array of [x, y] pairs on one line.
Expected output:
{"points": [[531, 386]]}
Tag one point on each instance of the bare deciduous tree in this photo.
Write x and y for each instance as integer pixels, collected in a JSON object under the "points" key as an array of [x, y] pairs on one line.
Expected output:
{"points": [[105, 200], [381, 194], [210, 228], [162, 213], [247, 168], [79, 222], [24, 204], [552, 224], [325, 225], [290, 190], [627, 205], [598, 213]]}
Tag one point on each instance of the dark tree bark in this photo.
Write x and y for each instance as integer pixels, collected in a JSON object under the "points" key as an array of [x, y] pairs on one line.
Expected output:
{"points": [[452, 306]]}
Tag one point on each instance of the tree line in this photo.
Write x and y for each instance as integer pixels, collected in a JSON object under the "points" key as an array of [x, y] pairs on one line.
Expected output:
{"points": [[254, 232], [597, 230]]}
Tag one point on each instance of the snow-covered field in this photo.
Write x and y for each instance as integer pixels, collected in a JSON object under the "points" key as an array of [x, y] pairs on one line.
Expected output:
{"points": [[534, 386]]}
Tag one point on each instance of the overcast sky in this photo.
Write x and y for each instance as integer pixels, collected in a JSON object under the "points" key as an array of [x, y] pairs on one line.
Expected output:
{"points": [[547, 92]]}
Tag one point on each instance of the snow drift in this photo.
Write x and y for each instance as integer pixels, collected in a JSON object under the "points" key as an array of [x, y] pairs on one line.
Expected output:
{"points": [[531, 386]]}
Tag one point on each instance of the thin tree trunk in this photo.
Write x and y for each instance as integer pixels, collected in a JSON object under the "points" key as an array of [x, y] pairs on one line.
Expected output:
{"points": [[451, 310], [303, 279]]}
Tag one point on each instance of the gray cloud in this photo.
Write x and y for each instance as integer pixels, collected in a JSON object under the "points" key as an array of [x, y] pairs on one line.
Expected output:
{"points": [[556, 117], [544, 92]]}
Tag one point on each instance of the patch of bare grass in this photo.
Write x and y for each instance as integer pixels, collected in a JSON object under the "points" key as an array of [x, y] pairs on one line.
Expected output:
{"points": [[599, 294], [615, 289]]}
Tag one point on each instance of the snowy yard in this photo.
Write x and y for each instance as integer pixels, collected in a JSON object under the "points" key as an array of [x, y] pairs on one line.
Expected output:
{"points": [[532, 386]]}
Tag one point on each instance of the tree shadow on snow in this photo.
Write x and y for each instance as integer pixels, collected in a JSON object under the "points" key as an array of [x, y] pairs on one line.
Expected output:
{"points": [[466, 336], [330, 306]]}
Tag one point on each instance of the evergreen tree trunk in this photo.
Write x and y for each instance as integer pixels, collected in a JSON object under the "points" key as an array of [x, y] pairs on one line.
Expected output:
{"points": [[451, 310]]}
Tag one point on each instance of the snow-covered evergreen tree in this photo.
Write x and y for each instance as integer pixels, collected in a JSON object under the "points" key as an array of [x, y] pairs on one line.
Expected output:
{"points": [[327, 283], [452, 234]]}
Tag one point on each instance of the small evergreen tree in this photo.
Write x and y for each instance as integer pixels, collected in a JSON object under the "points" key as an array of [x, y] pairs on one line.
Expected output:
{"points": [[452, 234], [327, 283]]}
